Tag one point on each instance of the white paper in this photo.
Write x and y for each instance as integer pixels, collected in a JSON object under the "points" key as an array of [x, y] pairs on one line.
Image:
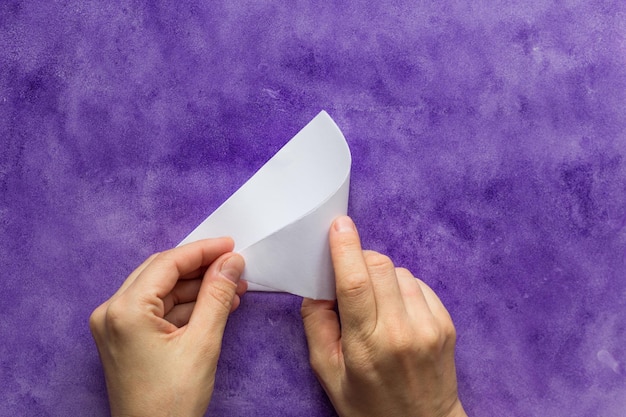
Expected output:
{"points": [[280, 217]]}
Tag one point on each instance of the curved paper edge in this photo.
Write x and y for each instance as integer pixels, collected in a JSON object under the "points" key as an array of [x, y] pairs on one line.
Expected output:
{"points": [[286, 188], [285, 245], [296, 259]]}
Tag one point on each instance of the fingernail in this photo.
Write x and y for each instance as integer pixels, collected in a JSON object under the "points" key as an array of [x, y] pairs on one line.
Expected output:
{"points": [[344, 224], [232, 268]]}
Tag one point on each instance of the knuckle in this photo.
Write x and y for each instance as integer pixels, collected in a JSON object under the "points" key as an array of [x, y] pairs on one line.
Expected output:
{"points": [[116, 318], [165, 258], [96, 319], [404, 344], [400, 271], [400, 341], [449, 331], [377, 260], [431, 339], [354, 285]]}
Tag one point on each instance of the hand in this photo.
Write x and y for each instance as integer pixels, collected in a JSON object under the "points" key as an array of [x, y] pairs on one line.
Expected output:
{"points": [[160, 335], [393, 354]]}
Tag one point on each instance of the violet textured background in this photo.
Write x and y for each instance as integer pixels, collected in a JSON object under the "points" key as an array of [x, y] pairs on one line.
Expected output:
{"points": [[488, 142]]}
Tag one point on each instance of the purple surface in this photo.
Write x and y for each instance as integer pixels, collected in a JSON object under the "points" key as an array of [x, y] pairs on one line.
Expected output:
{"points": [[488, 143]]}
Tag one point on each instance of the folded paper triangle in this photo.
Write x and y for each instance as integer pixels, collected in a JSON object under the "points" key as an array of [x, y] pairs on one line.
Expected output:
{"points": [[280, 217]]}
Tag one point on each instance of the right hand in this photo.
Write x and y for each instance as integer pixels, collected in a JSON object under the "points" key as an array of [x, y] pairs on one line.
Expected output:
{"points": [[393, 354]]}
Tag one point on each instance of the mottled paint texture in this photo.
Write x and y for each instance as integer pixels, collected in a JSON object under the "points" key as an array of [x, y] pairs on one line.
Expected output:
{"points": [[489, 146]]}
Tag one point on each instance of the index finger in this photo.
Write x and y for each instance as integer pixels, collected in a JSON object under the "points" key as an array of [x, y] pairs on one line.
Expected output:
{"points": [[162, 273], [355, 293]]}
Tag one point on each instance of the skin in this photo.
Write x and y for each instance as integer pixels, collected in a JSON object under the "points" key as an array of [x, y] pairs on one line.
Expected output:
{"points": [[389, 351], [160, 335]]}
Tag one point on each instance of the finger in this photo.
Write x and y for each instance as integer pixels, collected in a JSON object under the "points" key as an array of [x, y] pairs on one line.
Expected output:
{"points": [[160, 276], [414, 300], [183, 292], [440, 315], [323, 335], [216, 297], [235, 304], [180, 313], [187, 291], [355, 294], [434, 302], [195, 274], [389, 303], [242, 287]]}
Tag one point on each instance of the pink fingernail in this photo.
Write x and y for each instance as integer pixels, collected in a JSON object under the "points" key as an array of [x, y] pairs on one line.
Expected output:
{"points": [[232, 268], [344, 224]]}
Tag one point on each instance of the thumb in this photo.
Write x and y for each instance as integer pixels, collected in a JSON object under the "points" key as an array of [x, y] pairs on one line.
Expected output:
{"points": [[216, 297]]}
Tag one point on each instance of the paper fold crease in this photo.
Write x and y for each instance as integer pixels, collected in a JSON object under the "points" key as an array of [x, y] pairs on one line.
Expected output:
{"points": [[280, 217]]}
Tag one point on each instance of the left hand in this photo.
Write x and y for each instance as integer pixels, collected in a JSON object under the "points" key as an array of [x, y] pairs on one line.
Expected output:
{"points": [[160, 335]]}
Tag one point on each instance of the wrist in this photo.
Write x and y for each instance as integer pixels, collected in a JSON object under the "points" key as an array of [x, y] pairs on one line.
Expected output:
{"points": [[164, 406], [456, 410]]}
